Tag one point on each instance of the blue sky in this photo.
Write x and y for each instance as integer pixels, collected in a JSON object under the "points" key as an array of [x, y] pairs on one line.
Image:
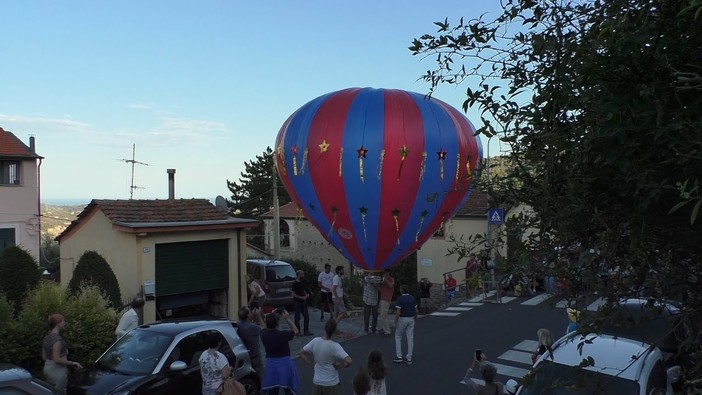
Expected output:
{"points": [[198, 86]]}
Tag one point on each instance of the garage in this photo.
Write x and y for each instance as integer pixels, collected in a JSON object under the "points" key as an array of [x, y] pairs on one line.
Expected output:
{"points": [[192, 278]]}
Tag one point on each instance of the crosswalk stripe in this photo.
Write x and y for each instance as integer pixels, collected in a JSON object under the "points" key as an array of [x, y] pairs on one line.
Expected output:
{"points": [[536, 300], [527, 345], [479, 298], [443, 314], [517, 356], [456, 308], [596, 304], [511, 371], [507, 299], [470, 304], [562, 304]]}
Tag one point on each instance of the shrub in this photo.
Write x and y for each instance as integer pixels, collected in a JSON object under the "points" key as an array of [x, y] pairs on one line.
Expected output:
{"points": [[90, 325], [93, 269], [19, 274]]}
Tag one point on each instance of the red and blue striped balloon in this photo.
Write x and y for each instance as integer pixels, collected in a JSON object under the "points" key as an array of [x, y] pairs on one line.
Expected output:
{"points": [[377, 171]]}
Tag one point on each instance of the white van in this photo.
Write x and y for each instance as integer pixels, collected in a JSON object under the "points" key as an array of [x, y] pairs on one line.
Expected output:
{"points": [[276, 278]]}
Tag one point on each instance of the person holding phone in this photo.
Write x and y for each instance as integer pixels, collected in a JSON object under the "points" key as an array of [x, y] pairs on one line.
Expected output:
{"points": [[488, 371]]}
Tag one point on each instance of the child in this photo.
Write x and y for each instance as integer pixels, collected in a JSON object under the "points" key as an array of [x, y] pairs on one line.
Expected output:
{"points": [[361, 383], [377, 372]]}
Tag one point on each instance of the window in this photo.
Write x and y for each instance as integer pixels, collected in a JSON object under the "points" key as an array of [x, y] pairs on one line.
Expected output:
{"points": [[284, 233], [7, 238], [9, 172]]}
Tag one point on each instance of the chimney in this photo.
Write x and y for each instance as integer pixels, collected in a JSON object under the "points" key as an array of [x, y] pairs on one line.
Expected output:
{"points": [[31, 145], [171, 184]]}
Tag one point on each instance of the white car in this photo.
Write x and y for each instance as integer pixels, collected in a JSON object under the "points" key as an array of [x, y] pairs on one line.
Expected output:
{"points": [[599, 364]]}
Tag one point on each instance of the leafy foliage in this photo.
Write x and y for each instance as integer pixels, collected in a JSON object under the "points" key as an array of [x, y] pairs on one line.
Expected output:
{"points": [[601, 104], [93, 269], [89, 330], [19, 274], [252, 196], [50, 256]]}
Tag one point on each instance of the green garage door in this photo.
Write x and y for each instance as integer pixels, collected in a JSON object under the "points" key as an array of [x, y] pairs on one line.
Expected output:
{"points": [[191, 267]]}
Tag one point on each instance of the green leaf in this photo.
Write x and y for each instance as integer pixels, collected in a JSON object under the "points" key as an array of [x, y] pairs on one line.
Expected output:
{"points": [[678, 206], [695, 212]]}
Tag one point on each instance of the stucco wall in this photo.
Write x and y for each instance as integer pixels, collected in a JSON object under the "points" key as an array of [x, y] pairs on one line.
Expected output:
{"points": [[432, 260], [133, 257], [19, 209]]}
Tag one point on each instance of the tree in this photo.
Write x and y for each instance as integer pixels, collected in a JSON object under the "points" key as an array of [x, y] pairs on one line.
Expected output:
{"points": [[601, 104], [93, 270], [19, 274], [252, 196], [50, 256]]}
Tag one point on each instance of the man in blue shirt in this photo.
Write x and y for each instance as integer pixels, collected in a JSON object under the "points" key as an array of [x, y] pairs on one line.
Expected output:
{"points": [[405, 316]]}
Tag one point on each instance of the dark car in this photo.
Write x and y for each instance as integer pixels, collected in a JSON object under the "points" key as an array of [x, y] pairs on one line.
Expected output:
{"points": [[16, 380], [163, 358]]}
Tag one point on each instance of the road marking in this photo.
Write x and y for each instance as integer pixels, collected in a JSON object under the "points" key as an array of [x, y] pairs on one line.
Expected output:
{"points": [[442, 314], [507, 299], [459, 308], [511, 371], [596, 304], [536, 300], [479, 298], [527, 345], [470, 304], [562, 304], [517, 356]]}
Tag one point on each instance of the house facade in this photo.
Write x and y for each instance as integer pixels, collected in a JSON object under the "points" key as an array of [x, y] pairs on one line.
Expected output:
{"points": [[185, 257], [20, 199], [300, 239]]}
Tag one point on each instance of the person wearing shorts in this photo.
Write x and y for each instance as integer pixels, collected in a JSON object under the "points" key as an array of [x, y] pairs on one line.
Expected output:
{"points": [[338, 295]]}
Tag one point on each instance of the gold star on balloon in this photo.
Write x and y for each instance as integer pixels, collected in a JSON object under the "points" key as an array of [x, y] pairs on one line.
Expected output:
{"points": [[403, 152], [324, 146]]}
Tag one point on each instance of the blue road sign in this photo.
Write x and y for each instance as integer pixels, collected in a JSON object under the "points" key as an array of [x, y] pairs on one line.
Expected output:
{"points": [[496, 216]]}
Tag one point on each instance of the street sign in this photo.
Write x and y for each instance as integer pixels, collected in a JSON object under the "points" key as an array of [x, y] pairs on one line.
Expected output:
{"points": [[496, 216]]}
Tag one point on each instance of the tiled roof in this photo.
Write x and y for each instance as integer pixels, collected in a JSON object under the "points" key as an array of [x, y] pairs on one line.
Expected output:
{"points": [[10, 145], [289, 210], [155, 213], [477, 204]]}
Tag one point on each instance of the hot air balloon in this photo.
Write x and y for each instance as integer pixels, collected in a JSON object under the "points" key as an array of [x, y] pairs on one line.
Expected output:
{"points": [[377, 171]]}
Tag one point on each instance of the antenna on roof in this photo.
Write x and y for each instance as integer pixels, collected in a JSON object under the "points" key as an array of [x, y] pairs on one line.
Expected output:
{"points": [[133, 161]]}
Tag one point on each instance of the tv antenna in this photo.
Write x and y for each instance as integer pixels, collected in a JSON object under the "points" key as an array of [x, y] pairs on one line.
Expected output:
{"points": [[133, 162]]}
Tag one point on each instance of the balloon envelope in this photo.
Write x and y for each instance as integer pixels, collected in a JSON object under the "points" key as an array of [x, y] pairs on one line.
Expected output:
{"points": [[377, 171]]}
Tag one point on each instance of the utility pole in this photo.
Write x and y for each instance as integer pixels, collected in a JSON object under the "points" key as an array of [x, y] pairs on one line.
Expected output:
{"points": [[133, 161], [276, 216]]}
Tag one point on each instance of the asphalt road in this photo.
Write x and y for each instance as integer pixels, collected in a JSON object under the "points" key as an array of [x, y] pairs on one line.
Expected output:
{"points": [[445, 342]]}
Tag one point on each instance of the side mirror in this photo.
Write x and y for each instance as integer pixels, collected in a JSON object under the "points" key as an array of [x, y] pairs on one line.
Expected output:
{"points": [[511, 387], [177, 366]]}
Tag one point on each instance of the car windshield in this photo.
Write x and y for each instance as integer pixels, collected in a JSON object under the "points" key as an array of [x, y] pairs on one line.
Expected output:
{"points": [[556, 379], [276, 273], [135, 353], [651, 324]]}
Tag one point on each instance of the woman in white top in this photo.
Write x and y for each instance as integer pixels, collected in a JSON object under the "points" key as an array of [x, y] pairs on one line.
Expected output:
{"points": [[211, 364], [327, 357], [258, 295]]}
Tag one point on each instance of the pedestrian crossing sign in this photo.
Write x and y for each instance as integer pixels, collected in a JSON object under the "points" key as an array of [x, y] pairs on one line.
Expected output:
{"points": [[496, 216]]}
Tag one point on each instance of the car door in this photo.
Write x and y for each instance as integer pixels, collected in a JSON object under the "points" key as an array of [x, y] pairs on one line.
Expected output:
{"points": [[186, 381]]}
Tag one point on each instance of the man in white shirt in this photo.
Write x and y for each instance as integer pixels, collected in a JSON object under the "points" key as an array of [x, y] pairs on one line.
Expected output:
{"points": [[130, 319], [327, 357], [337, 291], [325, 284]]}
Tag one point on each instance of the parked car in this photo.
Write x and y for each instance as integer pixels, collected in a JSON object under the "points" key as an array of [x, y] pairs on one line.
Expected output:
{"points": [[163, 358], [598, 364], [276, 278], [16, 380], [646, 320]]}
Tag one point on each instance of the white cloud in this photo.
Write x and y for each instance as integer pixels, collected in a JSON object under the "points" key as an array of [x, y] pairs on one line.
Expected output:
{"points": [[42, 123]]}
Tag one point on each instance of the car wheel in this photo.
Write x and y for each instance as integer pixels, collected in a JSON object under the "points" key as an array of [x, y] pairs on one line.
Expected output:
{"points": [[250, 385]]}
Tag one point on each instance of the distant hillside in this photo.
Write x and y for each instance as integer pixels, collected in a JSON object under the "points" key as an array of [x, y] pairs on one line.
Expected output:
{"points": [[55, 218]]}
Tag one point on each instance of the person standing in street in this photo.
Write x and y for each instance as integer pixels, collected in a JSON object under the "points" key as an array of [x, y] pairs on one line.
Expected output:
{"points": [[130, 319], [258, 295], [301, 295], [450, 288], [280, 370], [387, 289], [325, 284], [338, 295], [212, 363], [55, 354], [327, 357], [405, 316], [370, 305], [249, 329], [425, 302]]}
